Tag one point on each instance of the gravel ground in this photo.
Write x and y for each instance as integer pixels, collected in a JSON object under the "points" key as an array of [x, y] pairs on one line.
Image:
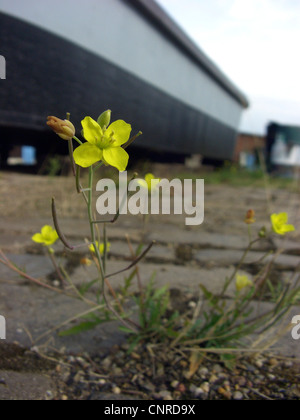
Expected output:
{"points": [[147, 373], [166, 376]]}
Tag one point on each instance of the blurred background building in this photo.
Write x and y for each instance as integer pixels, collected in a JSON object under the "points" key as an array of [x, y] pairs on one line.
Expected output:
{"points": [[125, 55]]}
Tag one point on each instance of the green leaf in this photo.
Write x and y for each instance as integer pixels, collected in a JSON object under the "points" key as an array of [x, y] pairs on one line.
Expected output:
{"points": [[86, 287], [84, 326]]}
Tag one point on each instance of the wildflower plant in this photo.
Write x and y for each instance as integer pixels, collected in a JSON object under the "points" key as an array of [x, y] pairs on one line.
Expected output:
{"points": [[215, 322]]}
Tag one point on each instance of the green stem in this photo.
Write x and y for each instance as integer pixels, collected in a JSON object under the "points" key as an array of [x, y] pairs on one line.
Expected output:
{"points": [[77, 139], [228, 282], [102, 277], [55, 265]]}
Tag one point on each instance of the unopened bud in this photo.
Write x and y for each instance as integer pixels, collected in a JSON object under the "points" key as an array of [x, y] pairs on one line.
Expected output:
{"points": [[63, 128], [262, 233], [250, 217], [104, 119]]}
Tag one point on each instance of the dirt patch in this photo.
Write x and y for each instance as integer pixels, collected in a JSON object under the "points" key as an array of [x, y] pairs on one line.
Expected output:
{"points": [[19, 359]]}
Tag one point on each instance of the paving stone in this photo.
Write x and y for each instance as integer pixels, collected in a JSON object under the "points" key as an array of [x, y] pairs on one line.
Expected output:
{"points": [[217, 257], [32, 311], [20, 386], [158, 253], [36, 266], [182, 277]]}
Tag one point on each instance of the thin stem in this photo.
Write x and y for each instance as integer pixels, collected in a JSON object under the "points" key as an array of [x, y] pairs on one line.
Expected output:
{"points": [[58, 230], [228, 282], [97, 252], [134, 263], [77, 139], [79, 186], [55, 265]]}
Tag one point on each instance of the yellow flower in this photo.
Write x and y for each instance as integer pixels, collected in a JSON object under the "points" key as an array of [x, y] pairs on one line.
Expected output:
{"points": [[103, 144], [150, 182], [279, 223], [63, 128], [250, 217], [47, 237], [242, 282], [100, 247]]}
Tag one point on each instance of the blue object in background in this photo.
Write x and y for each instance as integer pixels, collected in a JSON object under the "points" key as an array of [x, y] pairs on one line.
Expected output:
{"points": [[28, 155], [251, 161]]}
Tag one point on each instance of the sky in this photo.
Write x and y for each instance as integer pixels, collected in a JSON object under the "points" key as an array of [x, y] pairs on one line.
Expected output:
{"points": [[256, 44]]}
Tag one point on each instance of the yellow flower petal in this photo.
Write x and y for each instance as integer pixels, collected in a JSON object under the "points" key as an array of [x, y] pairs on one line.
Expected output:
{"points": [[242, 282], [120, 131], [100, 247], [48, 236], [279, 224], [116, 157], [142, 183], [92, 131], [38, 238], [87, 154]]}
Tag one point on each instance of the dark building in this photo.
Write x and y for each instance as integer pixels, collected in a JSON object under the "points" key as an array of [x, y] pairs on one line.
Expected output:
{"points": [[124, 55]]}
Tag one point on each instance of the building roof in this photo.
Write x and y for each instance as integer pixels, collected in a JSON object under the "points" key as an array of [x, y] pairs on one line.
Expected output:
{"points": [[152, 11]]}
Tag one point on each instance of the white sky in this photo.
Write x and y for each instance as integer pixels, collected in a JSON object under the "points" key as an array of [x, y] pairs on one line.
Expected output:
{"points": [[256, 44]]}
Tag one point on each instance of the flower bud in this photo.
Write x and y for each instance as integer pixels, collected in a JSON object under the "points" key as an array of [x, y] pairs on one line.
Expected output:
{"points": [[250, 217], [104, 119], [63, 128], [262, 233]]}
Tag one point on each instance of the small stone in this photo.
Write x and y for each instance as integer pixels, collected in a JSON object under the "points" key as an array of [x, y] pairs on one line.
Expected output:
{"points": [[2, 381], [203, 372], [49, 395], [259, 363], [217, 368], [135, 356], [238, 396], [226, 394], [213, 379], [240, 380], [116, 390], [198, 392], [106, 363], [205, 387], [102, 382], [174, 384], [181, 388], [295, 391], [192, 388], [164, 395], [272, 377], [117, 371], [288, 364], [64, 398], [273, 362], [148, 386]]}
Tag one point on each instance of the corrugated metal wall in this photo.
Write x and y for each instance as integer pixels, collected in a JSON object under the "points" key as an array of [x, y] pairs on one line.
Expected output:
{"points": [[125, 64]]}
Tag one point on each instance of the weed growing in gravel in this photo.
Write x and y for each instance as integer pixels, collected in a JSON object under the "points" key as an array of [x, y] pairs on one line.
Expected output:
{"points": [[221, 323]]}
